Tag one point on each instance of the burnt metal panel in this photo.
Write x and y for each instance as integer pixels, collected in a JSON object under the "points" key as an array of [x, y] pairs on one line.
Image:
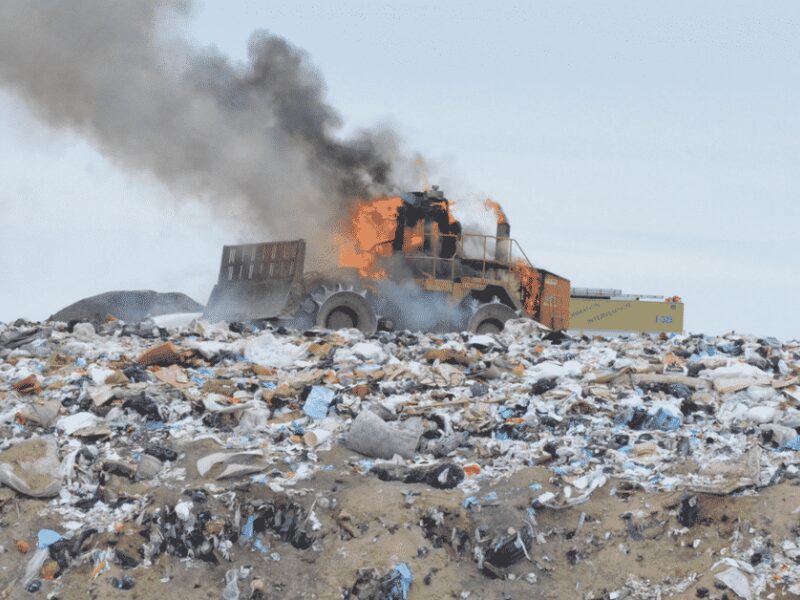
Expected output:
{"points": [[262, 262]]}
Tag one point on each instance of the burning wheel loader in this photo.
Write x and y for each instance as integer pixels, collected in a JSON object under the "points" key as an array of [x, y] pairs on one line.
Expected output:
{"points": [[406, 264]]}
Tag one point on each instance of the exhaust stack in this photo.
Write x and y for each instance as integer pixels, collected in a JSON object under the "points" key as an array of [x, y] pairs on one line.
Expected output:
{"points": [[502, 248]]}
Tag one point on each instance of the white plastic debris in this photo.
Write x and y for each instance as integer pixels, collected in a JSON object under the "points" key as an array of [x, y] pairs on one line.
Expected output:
{"points": [[72, 423], [184, 510], [176, 320], [761, 414], [206, 463], [83, 331], [266, 349], [737, 581]]}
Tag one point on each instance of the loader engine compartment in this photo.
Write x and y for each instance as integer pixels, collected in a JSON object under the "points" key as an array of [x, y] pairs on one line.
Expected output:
{"points": [[404, 263]]}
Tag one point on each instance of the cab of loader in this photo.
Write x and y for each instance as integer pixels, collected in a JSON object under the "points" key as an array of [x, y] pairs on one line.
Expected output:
{"points": [[433, 276]]}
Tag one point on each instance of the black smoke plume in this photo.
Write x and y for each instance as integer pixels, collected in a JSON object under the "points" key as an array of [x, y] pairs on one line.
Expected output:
{"points": [[256, 141]]}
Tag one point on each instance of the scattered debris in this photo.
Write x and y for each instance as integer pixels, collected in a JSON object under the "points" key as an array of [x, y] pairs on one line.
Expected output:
{"points": [[28, 385], [32, 468], [689, 511], [163, 355], [370, 585], [291, 463], [372, 436], [444, 476]]}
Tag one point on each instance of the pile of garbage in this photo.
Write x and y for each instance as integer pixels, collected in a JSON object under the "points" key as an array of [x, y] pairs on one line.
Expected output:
{"points": [[243, 457]]}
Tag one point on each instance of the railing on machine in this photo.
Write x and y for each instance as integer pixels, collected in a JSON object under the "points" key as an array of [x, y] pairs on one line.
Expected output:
{"points": [[445, 267]]}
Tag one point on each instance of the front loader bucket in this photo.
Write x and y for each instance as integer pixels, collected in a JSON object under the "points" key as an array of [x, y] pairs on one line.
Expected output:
{"points": [[256, 281]]}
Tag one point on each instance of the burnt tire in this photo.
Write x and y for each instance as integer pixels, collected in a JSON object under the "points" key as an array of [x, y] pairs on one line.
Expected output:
{"points": [[490, 318], [346, 309]]}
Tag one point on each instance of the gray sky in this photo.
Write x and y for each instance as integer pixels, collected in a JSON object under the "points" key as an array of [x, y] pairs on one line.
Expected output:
{"points": [[652, 147]]}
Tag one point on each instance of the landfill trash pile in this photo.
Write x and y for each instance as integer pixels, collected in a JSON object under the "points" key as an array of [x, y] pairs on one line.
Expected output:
{"points": [[241, 461]]}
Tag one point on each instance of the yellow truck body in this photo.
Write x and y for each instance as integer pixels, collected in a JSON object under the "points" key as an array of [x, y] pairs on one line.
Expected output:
{"points": [[612, 315]]}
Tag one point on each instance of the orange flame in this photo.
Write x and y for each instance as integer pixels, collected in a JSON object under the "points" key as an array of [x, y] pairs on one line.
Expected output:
{"points": [[368, 235], [498, 210], [450, 216], [414, 238], [530, 283]]}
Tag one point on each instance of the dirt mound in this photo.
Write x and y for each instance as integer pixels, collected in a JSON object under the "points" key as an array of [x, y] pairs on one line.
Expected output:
{"points": [[130, 306]]}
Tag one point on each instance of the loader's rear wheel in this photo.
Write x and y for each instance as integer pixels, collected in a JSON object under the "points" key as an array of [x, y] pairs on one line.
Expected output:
{"points": [[346, 309], [490, 318]]}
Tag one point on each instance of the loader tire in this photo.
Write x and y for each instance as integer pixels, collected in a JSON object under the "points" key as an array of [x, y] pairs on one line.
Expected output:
{"points": [[346, 309], [490, 318]]}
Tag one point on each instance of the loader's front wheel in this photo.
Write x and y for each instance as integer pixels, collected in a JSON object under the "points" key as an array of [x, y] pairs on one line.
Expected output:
{"points": [[490, 318], [347, 309]]}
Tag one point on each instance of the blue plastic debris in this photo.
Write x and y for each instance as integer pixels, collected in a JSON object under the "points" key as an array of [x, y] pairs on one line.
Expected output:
{"points": [[704, 353], [680, 390], [46, 537], [637, 419], [490, 497], [623, 419], [400, 582], [471, 501], [318, 401], [535, 487], [247, 528], [793, 444], [663, 420]]}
